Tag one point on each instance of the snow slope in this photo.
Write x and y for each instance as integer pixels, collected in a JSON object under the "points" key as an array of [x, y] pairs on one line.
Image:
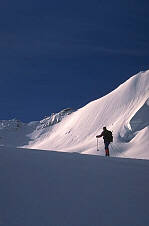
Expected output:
{"points": [[43, 188], [125, 111]]}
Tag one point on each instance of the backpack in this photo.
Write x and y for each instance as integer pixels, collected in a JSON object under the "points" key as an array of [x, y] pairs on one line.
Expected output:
{"points": [[108, 136]]}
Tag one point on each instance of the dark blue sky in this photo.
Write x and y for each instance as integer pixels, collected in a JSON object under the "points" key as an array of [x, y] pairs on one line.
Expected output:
{"points": [[57, 54]]}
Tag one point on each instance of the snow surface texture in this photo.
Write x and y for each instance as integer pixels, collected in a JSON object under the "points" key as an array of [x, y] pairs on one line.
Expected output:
{"points": [[125, 111], [43, 188]]}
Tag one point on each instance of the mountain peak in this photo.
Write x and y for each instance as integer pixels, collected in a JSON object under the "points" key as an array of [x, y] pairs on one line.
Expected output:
{"points": [[124, 111]]}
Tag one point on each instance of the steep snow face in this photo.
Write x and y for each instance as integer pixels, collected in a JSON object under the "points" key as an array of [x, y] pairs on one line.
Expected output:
{"points": [[141, 119], [125, 111]]}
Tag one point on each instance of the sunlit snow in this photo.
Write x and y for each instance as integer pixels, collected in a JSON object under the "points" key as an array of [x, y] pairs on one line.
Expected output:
{"points": [[125, 111]]}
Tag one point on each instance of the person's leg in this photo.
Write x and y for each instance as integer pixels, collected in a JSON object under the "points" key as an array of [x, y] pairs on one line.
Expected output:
{"points": [[107, 149]]}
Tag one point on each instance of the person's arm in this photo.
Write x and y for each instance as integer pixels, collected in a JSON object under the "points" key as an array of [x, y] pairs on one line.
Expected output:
{"points": [[98, 136]]}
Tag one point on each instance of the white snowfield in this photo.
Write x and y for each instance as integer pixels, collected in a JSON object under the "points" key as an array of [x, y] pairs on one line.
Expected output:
{"points": [[43, 188], [125, 111], [49, 188]]}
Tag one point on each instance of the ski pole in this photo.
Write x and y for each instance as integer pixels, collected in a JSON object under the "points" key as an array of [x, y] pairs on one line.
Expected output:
{"points": [[97, 145]]}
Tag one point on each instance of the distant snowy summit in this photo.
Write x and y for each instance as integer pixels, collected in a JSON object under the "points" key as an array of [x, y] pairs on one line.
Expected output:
{"points": [[125, 111]]}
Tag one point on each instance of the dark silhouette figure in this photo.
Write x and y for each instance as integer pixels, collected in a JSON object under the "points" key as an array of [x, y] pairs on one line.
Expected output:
{"points": [[107, 136]]}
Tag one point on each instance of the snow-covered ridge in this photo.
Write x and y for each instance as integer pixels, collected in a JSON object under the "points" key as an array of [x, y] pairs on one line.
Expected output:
{"points": [[125, 111], [51, 120], [10, 124], [16, 133], [55, 118]]}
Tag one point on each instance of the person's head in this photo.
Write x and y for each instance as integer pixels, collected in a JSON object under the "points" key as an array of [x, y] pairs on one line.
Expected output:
{"points": [[104, 128]]}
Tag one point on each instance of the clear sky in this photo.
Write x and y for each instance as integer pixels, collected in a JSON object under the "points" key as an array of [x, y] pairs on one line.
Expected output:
{"points": [[64, 53]]}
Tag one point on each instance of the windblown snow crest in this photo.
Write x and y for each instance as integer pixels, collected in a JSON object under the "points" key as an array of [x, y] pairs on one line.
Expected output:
{"points": [[125, 111]]}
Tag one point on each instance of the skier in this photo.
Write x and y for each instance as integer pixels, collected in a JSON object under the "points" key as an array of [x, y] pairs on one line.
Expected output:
{"points": [[107, 136]]}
